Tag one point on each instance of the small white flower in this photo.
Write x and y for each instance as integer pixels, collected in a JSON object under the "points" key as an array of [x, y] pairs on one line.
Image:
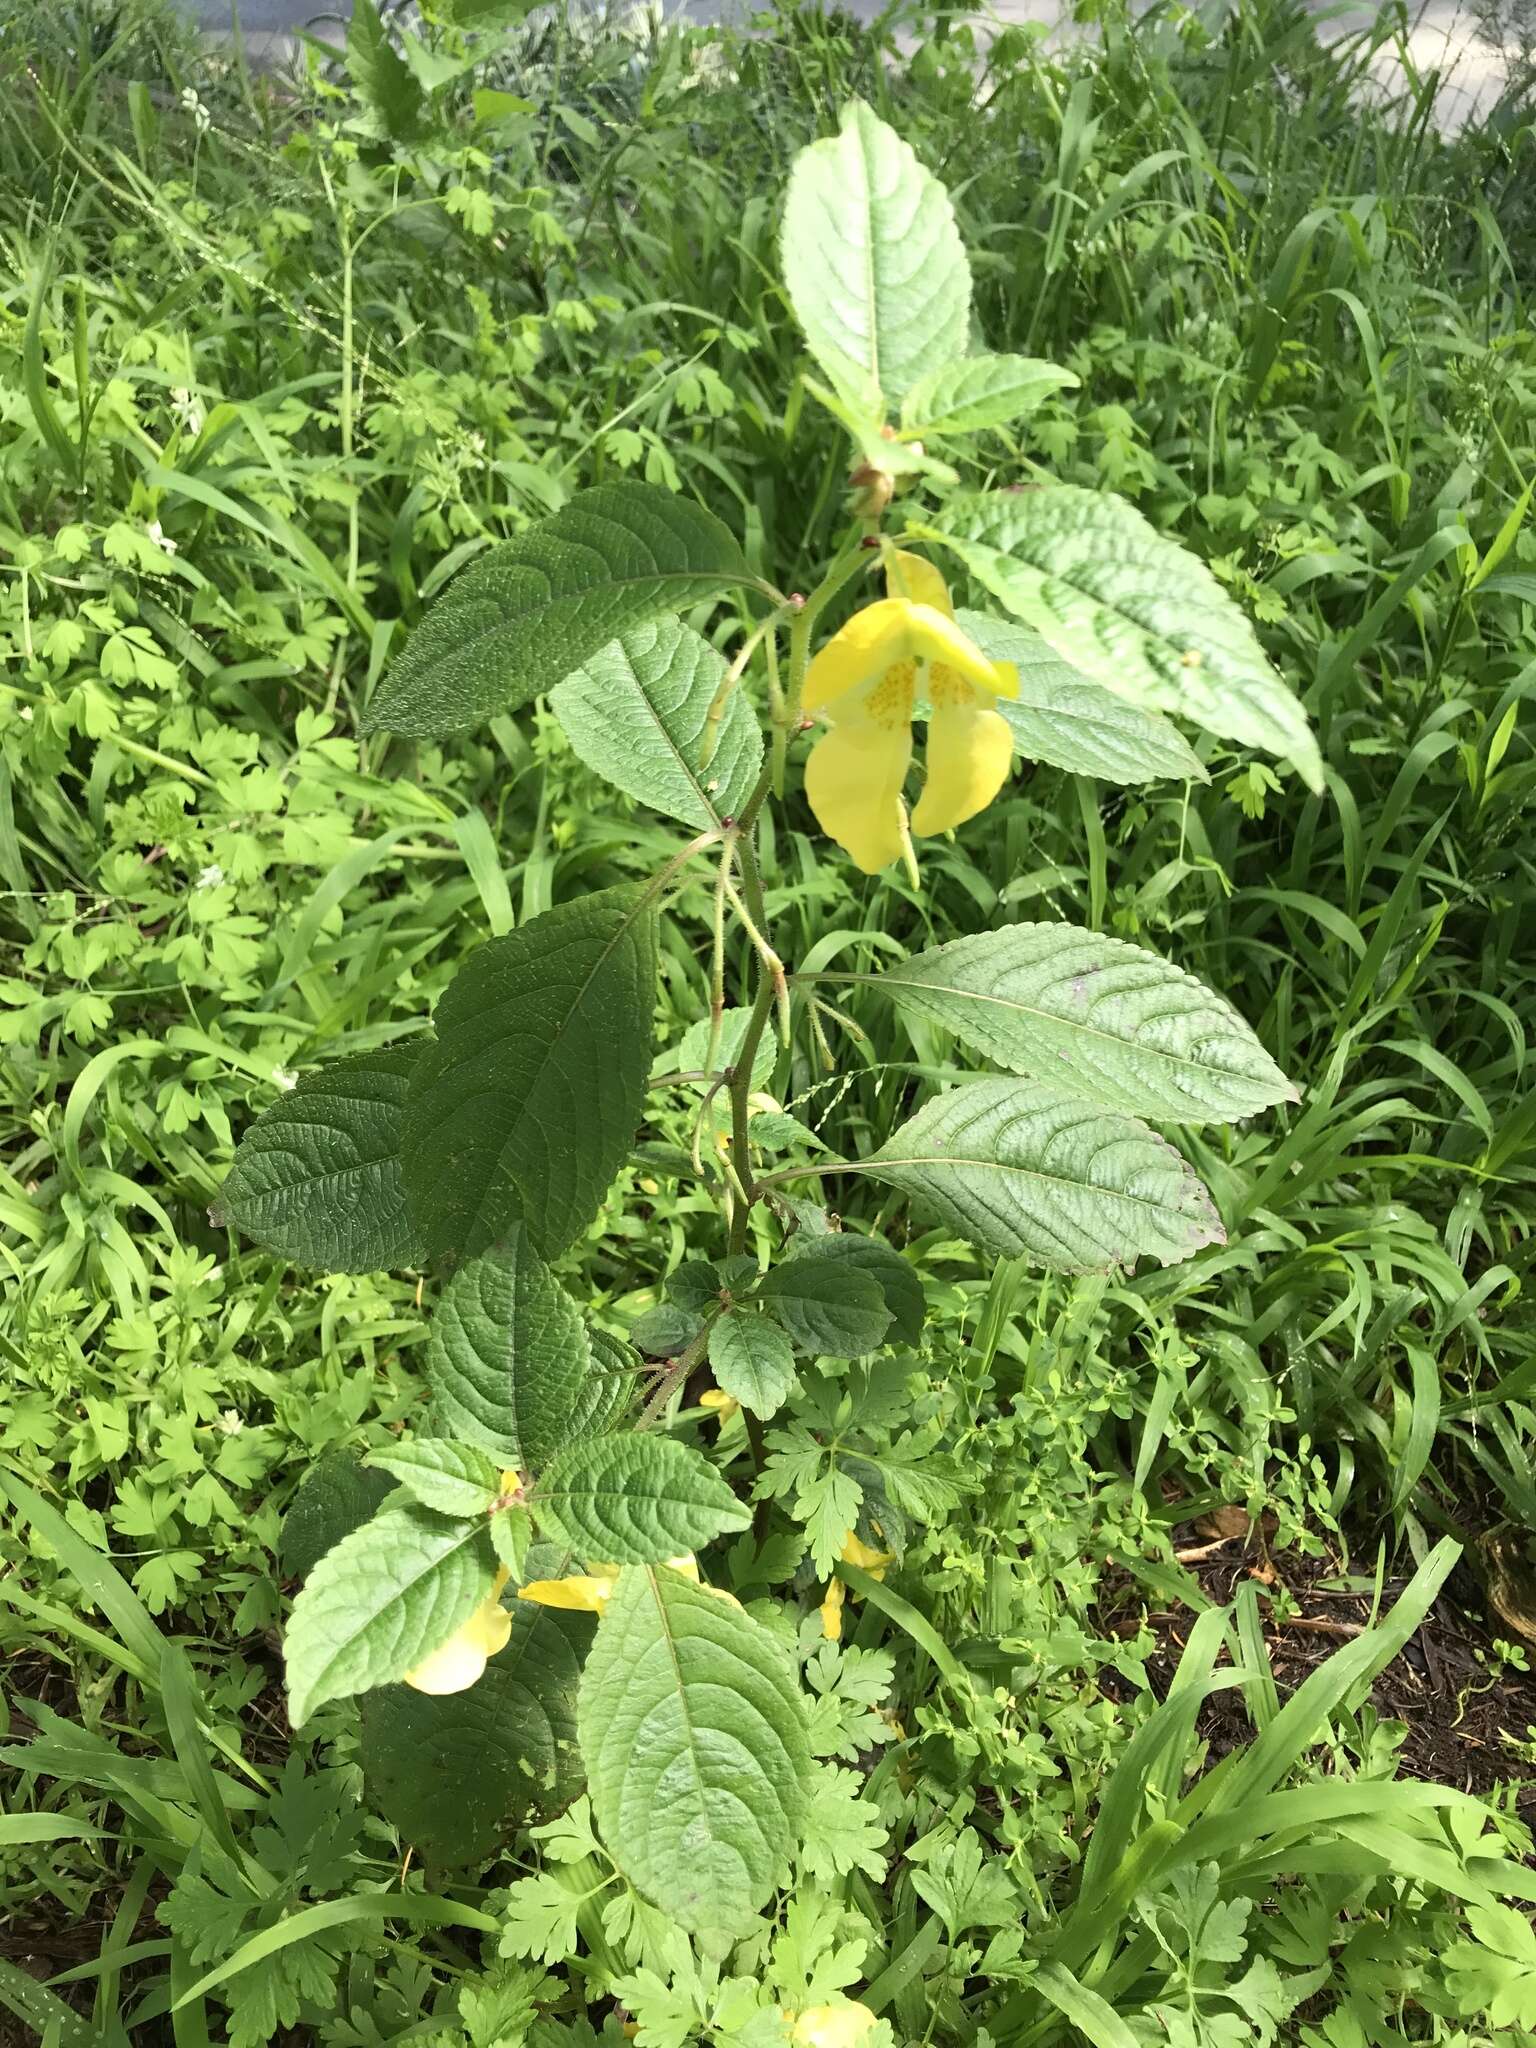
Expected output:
{"points": [[211, 876], [284, 1077], [187, 409], [230, 1422], [160, 539]]}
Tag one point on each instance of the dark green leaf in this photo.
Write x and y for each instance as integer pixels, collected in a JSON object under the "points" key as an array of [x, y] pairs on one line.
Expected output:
{"points": [[752, 1360], [317, 1177], [526, 1105], [835, 1311], [536, 608], [508, 1359]]}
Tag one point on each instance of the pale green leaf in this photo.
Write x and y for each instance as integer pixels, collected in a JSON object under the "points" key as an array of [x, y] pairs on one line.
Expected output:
{"points": [[508, 1358], [698, 1761], [533, 610], [980, 391], [635, 1499], [1096, 1016], [1021, 1168], [834, 1310], [455, 1774], [752, 1361], [876, 271], [525, 1106], [1131, 610], [1061, 718], [455, 1479], [317, 1178], [638, 714], [385, 1597]]}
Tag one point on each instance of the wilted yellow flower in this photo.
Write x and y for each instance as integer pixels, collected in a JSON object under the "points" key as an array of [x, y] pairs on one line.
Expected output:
{"points": [[460, 1662], [842, 2025], [855, 1553], [865, 680]]}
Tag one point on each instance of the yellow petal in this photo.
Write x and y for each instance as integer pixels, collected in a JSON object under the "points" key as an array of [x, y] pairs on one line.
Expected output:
{"points": [[854, 773], [915, 577], [895, 629], [460, 1662], [970, 752], [583, 1595], [872, 1561], [688, 1566], [724, 1405], [842, 2025], [832, 1611]]}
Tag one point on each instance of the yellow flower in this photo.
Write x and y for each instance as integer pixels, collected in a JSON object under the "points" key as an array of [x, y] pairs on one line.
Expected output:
{"points": [[721, 1404], [590, 1592], [865, 681], [856, 1553], [842, 2025], [460, 1662]]}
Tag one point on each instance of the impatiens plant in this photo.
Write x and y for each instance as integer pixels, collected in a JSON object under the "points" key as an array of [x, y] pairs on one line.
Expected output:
{"points": [[521, 1591]]}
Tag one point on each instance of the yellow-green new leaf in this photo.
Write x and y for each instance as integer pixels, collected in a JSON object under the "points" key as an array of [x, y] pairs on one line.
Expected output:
{"points": [[698, 1760]]}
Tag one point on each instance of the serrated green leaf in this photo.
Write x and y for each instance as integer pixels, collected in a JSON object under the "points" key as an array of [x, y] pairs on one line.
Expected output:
{"points": [[615, 1370], [635, 1499], [1020, 1168], [1061, 718], [380, 76], [664, 1330], [833, 1311], [1131, 610], [694, 1736], [775, 1130], [638, 714], [508, 1358], [455, 1479], [975, 392], [385, 1597], [873, 261], [337, 1495], [691, 1050], [456, 1774], [317, 1177], [752, 1360], [900, 1287], [526, 1105], [1093, 1015], [533, 610]]}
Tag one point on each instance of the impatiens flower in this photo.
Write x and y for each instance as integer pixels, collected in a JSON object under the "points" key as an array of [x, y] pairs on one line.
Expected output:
{"points": [[590, 1592], [721, 1404], [583, 1593], [460, 1662], [842, 2025], [855, 1553], [866, 682]]}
